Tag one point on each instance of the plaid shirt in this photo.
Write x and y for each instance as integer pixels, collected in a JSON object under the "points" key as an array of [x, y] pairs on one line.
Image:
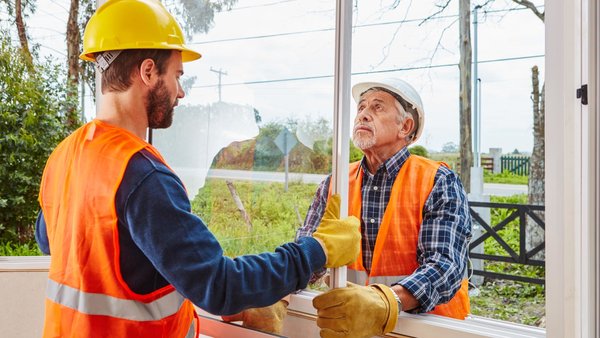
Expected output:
{"points": [[443, 239]]}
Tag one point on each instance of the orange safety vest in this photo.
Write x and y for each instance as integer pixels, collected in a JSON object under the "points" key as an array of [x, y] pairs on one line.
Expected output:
{"points": [[395, 255], [86, 294]]}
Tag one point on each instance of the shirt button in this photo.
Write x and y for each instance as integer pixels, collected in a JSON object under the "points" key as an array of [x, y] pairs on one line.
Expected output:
{"points": [[375, 188], [372, 220]]}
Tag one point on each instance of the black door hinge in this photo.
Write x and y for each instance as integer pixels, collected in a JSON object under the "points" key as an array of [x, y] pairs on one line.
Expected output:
{"points": [[582, 94]]}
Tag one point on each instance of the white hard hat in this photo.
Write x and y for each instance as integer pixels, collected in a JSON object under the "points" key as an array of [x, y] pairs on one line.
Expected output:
{"points": [[404, 91]]}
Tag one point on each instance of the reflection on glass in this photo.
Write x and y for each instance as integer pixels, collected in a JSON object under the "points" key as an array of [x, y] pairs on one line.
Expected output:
{"points": [[267, 67], [252, 138]]}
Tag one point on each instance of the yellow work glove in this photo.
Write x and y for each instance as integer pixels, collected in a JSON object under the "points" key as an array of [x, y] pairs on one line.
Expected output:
{"points": [[339, 237], [267, 319], [356, 311]]}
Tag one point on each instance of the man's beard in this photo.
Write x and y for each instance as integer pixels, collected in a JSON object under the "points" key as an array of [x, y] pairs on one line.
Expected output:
{"points": [[364, 141], [159, 107]]}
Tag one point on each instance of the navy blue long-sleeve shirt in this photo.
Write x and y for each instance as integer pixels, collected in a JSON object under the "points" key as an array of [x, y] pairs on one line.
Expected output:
{"points": [[162, 242]]}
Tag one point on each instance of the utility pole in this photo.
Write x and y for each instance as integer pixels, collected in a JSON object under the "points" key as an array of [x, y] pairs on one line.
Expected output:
{"points": [[476, 172], [221, 73], [476, 108]]}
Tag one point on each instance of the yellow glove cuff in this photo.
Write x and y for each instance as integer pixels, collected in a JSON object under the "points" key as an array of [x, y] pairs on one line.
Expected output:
{"points": [[388, 296]]}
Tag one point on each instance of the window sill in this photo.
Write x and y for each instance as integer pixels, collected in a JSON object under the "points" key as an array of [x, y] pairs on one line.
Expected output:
{"points": [[302, 314], [24, 263], [432, 326]]}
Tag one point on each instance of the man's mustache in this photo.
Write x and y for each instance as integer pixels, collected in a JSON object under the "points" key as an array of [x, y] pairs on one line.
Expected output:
{"points": [[364, 126]]}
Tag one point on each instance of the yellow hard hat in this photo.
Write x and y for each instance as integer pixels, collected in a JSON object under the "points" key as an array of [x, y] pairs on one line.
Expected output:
{"points": [[133, 24]]}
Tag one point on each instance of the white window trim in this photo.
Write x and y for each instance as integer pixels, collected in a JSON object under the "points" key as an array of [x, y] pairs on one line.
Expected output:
{"points": [[571, 170], [432, 326], [572, 190], [24, 263]]}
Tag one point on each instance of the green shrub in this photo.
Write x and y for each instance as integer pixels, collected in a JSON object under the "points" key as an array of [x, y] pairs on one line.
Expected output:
{"points": [[32, 106], [355, 153], [419, 150], [25, 249]]}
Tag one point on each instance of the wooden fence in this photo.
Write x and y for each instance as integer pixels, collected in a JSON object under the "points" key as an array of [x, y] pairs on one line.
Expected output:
{"points": [[518, 165], [521, 256]]}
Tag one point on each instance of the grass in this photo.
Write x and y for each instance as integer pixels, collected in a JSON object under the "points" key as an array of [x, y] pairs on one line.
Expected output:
{"points": [[274, 213], [506, 177], [513, 301]]}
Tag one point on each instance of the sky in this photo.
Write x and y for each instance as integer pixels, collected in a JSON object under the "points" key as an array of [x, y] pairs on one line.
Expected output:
{"points": [[278, 56]]}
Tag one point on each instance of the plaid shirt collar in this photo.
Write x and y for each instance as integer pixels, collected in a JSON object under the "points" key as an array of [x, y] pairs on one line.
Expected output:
{"points": [[392, 165]]}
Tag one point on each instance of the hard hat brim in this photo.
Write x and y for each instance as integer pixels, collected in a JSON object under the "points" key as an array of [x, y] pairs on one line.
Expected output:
{"points": [[187, 54]]}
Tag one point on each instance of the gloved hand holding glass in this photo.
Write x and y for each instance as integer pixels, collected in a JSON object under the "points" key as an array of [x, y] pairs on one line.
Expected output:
{"points": [[340, 238], [356, 311]]}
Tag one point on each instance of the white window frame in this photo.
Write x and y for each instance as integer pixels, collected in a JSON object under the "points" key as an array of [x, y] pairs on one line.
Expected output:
{"points": [[572, 194], [571, 169]]}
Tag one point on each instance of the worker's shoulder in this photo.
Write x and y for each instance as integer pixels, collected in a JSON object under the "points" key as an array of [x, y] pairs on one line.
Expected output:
{"points": [[144, 163], [416, 160], [442, 170]]}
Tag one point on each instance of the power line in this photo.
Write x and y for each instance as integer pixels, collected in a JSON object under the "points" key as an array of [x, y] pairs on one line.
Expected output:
{"points": [[60, 4], [315, 77], [263, 5], [61, 52], [355, 26]]}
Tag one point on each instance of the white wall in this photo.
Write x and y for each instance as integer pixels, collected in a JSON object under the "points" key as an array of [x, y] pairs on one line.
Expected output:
{"points": [[22, 296]]}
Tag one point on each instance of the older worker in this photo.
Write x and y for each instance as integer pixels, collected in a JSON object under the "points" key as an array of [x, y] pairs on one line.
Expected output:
{"points": [[415, 222]]}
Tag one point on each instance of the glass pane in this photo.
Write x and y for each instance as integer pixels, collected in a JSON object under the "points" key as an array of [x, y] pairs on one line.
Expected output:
{"points": [[251, 139], [419, 43]]}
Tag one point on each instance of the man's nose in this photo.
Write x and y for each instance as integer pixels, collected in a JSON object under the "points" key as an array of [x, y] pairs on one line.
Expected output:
{"points": [[180, 91], [364, 115]]}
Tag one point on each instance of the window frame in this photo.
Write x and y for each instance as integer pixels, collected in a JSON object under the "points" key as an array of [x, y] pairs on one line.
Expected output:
{"points": [[572, 193]]}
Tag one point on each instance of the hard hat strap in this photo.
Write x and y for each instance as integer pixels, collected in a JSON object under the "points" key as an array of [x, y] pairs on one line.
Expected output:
{"points": [[104, 59]]}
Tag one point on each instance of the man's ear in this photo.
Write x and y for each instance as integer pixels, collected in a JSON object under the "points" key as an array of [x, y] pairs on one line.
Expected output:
{"points": [[406, 127], [148, 72]]}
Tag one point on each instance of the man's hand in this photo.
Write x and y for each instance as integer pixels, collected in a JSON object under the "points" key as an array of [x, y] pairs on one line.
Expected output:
{"points": [[356, 311], [340, 238], [267, 319]]}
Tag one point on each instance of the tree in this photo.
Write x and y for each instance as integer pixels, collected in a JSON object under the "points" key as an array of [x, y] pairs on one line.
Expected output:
{"points": [[450, 147], [74, 69], [419, 150], [536, 183], [536, 174], [197, 16], [464, 66], [31, 125], [19, 10]]}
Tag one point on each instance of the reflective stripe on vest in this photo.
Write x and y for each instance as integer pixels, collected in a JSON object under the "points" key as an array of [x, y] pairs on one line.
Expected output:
{"points": [[103, 305], [192, 331]]}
